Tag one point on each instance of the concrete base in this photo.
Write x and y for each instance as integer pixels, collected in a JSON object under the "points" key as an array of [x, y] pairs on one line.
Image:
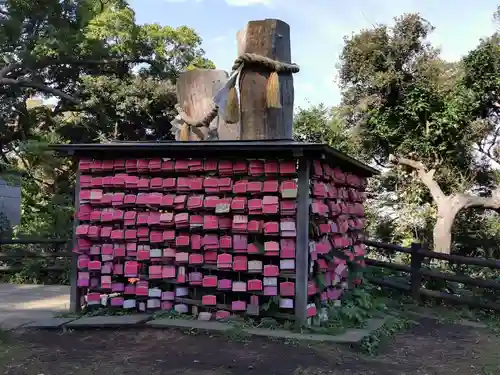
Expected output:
{"points": [[196, 324], [34, 306], [113, 321], [49, 323], [351, 336]]}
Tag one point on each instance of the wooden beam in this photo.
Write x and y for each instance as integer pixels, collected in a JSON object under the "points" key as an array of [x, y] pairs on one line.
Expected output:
{"points": [[270, 38], [195, 91]]}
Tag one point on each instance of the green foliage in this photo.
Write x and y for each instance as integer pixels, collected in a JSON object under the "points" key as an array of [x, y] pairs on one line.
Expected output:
{"points": [[358, 305], [107, 78], [113, 79], [320, 124], [32, 270], [37, 271], [139, 108], [5, 227], [403, 98], [399, 96], [380, 337]]}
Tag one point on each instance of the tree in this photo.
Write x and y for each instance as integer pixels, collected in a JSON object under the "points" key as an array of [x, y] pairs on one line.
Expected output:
{"points": [[65, 48], [106, 77], [416, 111], [135, 108], [320, 124]]}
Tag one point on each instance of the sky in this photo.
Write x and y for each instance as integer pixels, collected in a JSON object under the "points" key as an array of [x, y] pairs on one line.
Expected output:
{"points": [[317, 30]]}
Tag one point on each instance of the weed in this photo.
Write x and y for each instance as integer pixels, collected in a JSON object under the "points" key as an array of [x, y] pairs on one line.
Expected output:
{"points": [[4, 337], [372, 343], [192, 332], [172, 315], [358, 305], [102, 311], [237, 334]]}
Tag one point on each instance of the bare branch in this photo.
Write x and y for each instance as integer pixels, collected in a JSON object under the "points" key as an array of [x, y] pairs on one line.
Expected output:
{"points": [[427, 177], [487, 154], [462, 200], [379, 162]]}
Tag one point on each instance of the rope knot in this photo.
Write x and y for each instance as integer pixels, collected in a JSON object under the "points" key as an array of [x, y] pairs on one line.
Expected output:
{"points": [[273, 94], [188, 124], [271, 64]]}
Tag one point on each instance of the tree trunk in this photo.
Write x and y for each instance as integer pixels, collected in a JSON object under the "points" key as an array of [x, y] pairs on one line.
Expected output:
{"points": [[448, 205], [442, 230]]}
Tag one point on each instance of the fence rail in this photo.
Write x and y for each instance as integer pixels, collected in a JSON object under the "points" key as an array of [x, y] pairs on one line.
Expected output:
{"points": [[418, 273], [57, 245], [415, 269]]}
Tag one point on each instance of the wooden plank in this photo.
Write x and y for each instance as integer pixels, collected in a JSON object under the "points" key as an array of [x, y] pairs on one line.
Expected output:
{"points": [[388, 283], [460, 300], [387, 246], [17, 255], [33, 241], [75, 303], [481, 283], [269, 38], [7, 269], [388, 265], [416, 268], [195, 92], [302, 256], [458, 259]]}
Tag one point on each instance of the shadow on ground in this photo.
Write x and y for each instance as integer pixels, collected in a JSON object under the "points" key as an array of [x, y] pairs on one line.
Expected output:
{"points": [[429, 348]]}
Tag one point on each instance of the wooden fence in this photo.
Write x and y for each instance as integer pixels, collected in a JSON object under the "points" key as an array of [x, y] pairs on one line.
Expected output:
{"points": [[14, 251], [418, 273]]}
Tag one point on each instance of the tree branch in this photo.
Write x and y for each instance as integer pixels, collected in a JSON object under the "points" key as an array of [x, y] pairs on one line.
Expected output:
{"points": [[9, 68], [462, 200], [4, 157], [379, 162], [427, 177], [493, 202], [40, 86]]}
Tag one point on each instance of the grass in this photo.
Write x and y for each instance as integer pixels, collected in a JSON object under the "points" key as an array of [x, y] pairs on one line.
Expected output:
{"points": [[379, 338]]}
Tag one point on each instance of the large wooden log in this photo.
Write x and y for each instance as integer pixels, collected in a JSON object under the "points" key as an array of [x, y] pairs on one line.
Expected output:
{"points": [[270, 38], [195, 92]]}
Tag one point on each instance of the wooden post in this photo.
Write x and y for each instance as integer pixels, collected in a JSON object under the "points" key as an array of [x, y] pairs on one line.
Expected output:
{"points": [[75, 303], [195, 92], [302, 248], [416, 272], [270, 38]]}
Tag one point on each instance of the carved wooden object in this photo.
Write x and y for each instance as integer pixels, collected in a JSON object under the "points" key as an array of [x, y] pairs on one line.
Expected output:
{"points": [[195, 92], [270, 38]]}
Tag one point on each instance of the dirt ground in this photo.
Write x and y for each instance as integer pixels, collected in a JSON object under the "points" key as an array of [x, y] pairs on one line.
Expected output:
{"points": [[428, 348]]}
